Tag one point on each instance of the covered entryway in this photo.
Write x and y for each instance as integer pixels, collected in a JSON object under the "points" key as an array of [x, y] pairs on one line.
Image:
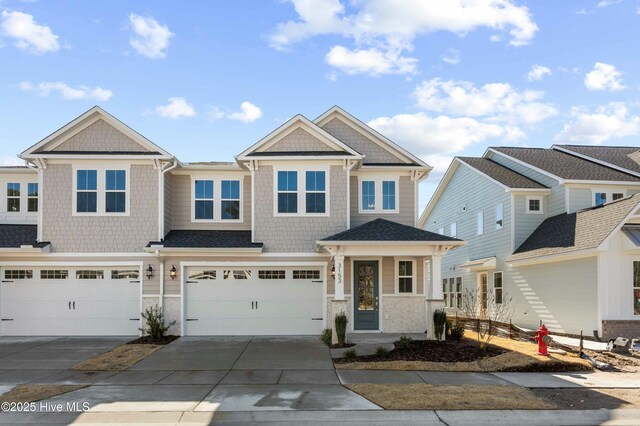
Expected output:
{"points": [[267, 299], [70, 301]]}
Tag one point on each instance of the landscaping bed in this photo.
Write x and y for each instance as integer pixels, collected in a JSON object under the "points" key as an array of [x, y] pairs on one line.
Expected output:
{"points": [[148, 340], [33, 393], [125, 356]]}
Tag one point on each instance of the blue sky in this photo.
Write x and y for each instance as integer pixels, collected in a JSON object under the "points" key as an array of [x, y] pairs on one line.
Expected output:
{"points": [[443, 78]]}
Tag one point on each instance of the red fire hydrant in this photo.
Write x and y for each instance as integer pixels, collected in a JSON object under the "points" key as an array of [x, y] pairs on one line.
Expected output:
{"points": [[540, 338]]}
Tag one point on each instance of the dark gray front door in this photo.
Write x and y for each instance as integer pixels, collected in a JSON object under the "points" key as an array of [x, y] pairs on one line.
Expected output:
{"points": [[365, 307]]}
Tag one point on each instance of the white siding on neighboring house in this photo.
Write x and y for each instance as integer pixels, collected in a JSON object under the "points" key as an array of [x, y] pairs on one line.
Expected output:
{"points": [[524, 223], [579, 198]]}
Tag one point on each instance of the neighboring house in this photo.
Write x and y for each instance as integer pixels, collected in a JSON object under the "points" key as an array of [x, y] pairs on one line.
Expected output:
{"points": [[103, 223], [558, 230]]}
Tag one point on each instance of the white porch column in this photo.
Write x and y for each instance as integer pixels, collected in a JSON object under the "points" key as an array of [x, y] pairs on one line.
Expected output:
{"points": [[338, 261], [434, 296]]}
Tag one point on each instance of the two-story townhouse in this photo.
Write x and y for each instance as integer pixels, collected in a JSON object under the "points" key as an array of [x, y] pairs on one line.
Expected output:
{"points": [[316, 218], [554, 230]]}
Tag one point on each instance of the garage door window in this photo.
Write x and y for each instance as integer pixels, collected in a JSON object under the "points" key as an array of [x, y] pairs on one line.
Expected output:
{"points": [[306, 275], [237, 275], [202, 275], [18, 274], [89, 275], [123, 274], [54, 274], [271, 274]]}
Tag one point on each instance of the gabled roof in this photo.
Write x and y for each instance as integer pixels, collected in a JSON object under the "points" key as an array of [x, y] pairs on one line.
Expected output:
{"points": [[386, 230], [370, 133], [207, 239], [625, 158], [80, 123], [499, 173], [583, 230], [565, 166], [298, 121], [15, 236]]}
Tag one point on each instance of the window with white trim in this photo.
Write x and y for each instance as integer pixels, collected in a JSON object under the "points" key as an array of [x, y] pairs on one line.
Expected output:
{"points": [[54, 274], [32, 197], [18, 274], [636, 287], [441, 231], [534, 205], [452, 292], [315, 191], [378, 195], [368, 195], [301, 191], [603, 197], [230, 200], [86, 191], [497, 286], [216, 200], [287, 191], [101, 192], [458, 292], [480, 222], [388, 195], [453, 230], [406, 271], [203, 199], [115, 191], [13, 197], [499, 216]]}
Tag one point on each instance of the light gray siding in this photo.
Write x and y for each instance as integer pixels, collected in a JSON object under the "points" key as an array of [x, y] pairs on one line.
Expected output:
{"points": [[181, 206], [373, 152], [406, 207], [100, 136], [525, 224], [95, 234], [579, 198], [299, 140], [297, 234]]}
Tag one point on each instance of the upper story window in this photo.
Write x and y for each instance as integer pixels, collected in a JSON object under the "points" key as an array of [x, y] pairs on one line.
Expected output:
{"points": [[32, 197], [100, 192], [217, 200], [230, 203], [13, 197], [453, 230], [204, 199], [86, 191], [603, 197], [301, 192], [499, 216], [480, 222], [534, 205], [378, 195], [115, 191]]}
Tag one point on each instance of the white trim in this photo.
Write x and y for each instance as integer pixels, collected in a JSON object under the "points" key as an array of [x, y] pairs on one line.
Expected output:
{"points": [[560, 257], [302, 189], [101, 191], [396, 275], [594, 159], [529, 198], [378, 193], [512, 225], [493, 284], [70, 263], [216, 180]]}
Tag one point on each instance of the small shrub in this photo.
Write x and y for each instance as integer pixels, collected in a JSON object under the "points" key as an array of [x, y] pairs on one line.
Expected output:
{"points": [[350, 353], [381, 351], [404, 342], [326, 336], [439, 322], [155, 326], [341, 322], [456, 332]]}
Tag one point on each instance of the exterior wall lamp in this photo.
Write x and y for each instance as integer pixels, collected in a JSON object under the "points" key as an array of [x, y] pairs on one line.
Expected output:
{"points": [[149, 272], [173, 272]]}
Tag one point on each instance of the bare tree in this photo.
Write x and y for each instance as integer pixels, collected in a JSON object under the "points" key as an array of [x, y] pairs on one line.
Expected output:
{"points": [[486, 310]]}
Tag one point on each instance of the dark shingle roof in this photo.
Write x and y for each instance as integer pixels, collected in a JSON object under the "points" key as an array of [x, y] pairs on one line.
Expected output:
{"points": [[392, 164], [14, 236], [565, 166], [386, 230], [502, 174], [585, 229], [99, 152], [207, 239], [297, 153], [621, 156]]}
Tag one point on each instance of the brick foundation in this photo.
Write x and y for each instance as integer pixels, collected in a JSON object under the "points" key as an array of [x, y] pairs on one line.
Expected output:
{"points": [[620, 328]]}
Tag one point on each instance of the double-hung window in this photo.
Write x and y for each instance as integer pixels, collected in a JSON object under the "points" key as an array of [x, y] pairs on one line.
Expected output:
{"points": [[499, 216], [315, 192], [115, 191], [497, 286], [405, 276], [368, 195], [287, 192], [13, 197], [453, 230], [230, 202], [203, 200], [388, 195], [636, 287], [87, 191], [32, 197], [378, 195]]}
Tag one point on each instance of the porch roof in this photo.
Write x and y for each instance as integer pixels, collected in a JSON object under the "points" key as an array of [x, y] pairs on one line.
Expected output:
{"points": [[382, 230]]}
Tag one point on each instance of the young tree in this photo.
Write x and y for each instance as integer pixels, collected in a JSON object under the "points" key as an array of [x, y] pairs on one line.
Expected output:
{"points": [[486, 310]]}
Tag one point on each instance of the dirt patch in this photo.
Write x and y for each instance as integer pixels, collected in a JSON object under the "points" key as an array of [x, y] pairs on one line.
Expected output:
{"points": [[437, 397], [148, 340], [591, 399], [338, 346], [119, 359], [32, 393], [617, 361]]}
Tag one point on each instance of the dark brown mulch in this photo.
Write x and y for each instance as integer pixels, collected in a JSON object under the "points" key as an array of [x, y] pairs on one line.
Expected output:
{"points": [[430, 350], [147, 340], [346, 345]]}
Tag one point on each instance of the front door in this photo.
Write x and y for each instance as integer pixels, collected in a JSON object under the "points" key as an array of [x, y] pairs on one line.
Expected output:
{"points": [[365, 308]]}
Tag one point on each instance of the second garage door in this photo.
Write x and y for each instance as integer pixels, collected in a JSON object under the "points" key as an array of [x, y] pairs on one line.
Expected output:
{"points": [[253, 300]]}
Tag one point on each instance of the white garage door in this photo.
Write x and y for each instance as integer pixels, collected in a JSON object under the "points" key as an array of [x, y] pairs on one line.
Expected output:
{"points": [[61, 301], [253, 300]]}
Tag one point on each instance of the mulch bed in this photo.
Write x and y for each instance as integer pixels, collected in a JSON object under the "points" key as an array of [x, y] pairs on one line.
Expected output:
{"points": [[147, 340], [339, 346], [465, 350]]}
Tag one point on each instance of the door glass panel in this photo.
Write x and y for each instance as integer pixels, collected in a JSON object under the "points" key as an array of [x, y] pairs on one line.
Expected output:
{"points": [[366, 288], [483, 290]]}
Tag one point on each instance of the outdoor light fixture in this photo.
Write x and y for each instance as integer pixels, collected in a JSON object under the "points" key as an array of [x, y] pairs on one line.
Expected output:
{"points": [[149, 272], [173, 272], [333, 270]]}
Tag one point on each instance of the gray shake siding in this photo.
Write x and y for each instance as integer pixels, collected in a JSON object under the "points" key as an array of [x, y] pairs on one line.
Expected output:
{"points": [[406, 209], [373, 153], [100, 136], [95, 234], [181, 205], [297, 234], [299, 140]]}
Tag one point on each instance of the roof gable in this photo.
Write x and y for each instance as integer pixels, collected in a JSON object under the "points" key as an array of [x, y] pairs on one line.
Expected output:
{"points": [[386, 230], [374, 146], [624, 158], [94, 132]]}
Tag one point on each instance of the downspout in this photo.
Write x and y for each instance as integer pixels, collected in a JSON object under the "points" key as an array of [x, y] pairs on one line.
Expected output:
{"points": [[39, 165], [163, 171], [161, 291]]}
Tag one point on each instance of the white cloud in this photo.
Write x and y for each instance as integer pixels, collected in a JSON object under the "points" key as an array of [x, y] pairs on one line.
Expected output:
{"points": [[604, 77], [452, 57], [611, 121], [27, 34], [387, 29], [248, 113], [67, 92], [151, 39], [176, 108], [538, 72], [10, 161], [370, 61], [497, 102], [607, 3]]}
